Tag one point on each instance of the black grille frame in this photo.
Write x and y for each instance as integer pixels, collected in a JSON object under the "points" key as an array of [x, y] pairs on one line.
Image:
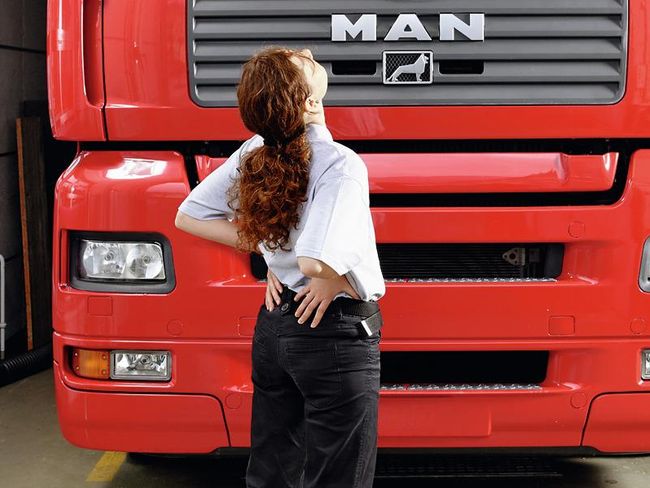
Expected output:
{"points": [[550, 53], [463, 261]]}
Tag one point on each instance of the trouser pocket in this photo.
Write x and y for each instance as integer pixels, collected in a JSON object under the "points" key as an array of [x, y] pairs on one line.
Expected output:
{"points": [[313, 364]]}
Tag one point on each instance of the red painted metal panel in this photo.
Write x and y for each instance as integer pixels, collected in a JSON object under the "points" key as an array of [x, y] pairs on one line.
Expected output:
{"points": [[433, 417], [139, 422], [477, 172], [199, 321], [489, 172], [578, 371], [619, 423], [74, 69], [148, 93], [598, 285]]}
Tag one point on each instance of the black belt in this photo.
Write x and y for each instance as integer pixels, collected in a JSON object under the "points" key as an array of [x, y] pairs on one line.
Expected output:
{"points": [[346, 305], [369, 317]]}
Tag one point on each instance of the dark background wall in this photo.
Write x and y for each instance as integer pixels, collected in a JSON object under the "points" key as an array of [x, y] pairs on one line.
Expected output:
{"points": [[22, 77]]}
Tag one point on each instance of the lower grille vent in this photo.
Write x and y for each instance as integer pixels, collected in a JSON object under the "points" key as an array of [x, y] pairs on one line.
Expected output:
{"points": [[458, 466], [461, 262], [463, 369], [470, 261]]}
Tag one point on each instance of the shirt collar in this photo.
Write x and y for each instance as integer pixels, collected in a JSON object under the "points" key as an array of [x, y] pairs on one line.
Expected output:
{"points": [[318, 132]]}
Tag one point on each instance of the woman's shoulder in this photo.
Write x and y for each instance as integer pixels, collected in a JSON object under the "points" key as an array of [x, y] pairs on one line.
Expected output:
{"points": [[332, 159], [252, 142]]}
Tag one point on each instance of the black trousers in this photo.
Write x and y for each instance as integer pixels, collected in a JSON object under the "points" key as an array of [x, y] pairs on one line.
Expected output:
{"points": [[315, 400]]}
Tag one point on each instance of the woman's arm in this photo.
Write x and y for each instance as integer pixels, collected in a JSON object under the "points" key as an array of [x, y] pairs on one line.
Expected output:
{"points": [[325, 282], [218, 230], [315, 268], [316, 296]]}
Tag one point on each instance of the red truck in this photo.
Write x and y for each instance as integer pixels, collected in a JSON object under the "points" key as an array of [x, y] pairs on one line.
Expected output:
{"points": [[509, 167]]}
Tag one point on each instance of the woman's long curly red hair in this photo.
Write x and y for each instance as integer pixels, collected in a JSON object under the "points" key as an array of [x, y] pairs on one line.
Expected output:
{"points": [[273, 178]]}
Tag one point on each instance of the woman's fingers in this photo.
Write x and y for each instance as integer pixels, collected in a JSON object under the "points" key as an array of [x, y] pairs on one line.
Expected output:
{"points": [[313, 303], [276, 281], [302, 292], [303, 305], [274, 292], [319, 313], [276, 288], [268, 300], [273, 286]]}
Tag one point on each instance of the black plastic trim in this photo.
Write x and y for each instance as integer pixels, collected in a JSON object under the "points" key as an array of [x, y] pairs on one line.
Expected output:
{"points": [[563, 451]]}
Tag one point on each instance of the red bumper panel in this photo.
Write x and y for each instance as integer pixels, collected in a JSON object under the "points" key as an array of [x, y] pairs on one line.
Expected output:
{"points": [[477, 172], [137, 422], [619, 423]]}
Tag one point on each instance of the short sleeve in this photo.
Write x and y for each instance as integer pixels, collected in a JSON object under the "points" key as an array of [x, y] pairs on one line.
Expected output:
{"points": [[209, 199], [337, 227]]}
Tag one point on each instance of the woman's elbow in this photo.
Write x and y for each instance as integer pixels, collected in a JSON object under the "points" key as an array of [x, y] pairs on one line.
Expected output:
{"points": [[315, 268], [309, 267], [180, 221]]}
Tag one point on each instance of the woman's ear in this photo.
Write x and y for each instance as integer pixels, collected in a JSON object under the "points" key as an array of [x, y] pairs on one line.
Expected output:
{"points": [[311, 106]]}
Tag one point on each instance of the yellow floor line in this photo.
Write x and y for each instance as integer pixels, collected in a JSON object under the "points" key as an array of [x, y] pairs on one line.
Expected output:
{"points": [[107, 466]]}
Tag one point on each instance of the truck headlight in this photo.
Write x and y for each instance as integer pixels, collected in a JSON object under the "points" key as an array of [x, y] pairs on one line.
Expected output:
{"points": [[126, 262], [645, 364], [121, 260], [141, 365]]}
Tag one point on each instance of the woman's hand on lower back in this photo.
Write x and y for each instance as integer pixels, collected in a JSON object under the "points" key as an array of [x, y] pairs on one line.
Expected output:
{"points": [[273, 290], [317, 295]]}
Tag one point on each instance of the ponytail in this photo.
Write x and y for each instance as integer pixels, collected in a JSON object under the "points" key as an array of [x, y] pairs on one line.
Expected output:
{"points": [[273, 178], [272, 186]]}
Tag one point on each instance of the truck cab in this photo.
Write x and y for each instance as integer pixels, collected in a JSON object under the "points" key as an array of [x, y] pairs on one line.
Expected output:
{"points": [[509, 169]]}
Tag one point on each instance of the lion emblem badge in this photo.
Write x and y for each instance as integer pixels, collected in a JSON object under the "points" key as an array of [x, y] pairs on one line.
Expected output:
{"points": [[408, 67]]}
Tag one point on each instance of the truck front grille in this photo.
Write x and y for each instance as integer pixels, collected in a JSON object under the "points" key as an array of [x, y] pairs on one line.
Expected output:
{"points": [[533, 52], [469, 261], [463, 370], [461, 262]]}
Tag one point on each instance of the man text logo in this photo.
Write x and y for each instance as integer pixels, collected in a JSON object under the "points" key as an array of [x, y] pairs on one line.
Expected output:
{"points": [[408, 27]]}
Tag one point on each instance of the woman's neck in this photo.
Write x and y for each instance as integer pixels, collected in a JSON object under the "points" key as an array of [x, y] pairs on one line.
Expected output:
{"points": [[318, 118]]}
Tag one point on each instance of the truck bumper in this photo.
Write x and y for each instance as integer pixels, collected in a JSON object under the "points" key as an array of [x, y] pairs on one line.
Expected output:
{"points": [[139, 422], [207, 404], [619, 423]]}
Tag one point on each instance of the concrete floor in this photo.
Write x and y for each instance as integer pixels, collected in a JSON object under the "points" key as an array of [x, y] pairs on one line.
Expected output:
{"points": [[33, 454]]}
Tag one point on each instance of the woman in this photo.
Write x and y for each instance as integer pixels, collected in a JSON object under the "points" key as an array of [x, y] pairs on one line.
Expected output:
{"points": [[301, 199]]}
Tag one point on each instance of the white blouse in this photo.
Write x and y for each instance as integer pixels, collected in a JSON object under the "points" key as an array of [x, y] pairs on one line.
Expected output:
{"points": [[335, 225]]}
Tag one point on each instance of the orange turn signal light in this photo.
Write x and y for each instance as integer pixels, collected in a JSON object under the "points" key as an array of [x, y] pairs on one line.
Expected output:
{"points": [[90, 363]]}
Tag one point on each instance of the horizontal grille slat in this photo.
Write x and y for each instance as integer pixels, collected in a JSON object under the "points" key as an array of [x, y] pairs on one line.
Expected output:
{"points": [[458, 386], [451, 94], [551, 52], [264, 8], [494, 71], [588, 48], [484, 93], [311, 28]]}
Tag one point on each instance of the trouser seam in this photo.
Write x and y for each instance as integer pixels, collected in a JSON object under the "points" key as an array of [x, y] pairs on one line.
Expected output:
{"points": [[364, 437]]}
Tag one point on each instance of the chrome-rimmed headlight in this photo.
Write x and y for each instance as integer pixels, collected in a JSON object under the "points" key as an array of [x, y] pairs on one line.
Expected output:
{"points": [[121, 260], [135, 262]]}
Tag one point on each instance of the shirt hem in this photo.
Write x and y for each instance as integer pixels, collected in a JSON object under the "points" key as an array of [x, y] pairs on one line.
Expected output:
{"points": [[326, 258]]}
